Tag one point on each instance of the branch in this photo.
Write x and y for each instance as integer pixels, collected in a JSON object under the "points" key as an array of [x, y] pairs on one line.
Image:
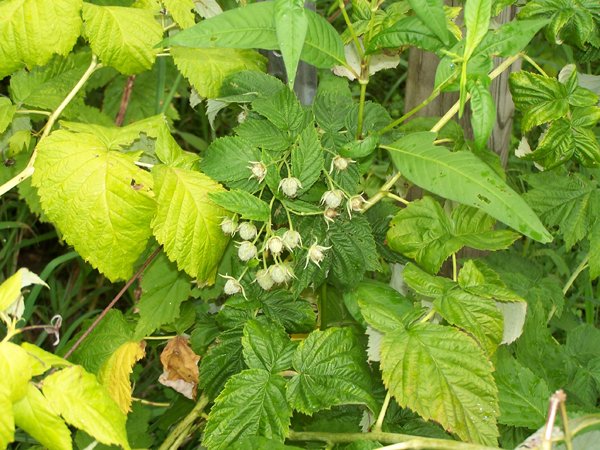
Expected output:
{"points": [[181, 431]]}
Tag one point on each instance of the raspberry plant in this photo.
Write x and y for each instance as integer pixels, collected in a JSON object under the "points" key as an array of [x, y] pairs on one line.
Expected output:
{"points": [[324, 303]]}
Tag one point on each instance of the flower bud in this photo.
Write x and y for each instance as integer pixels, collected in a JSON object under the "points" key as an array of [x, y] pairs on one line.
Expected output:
{"points": [[275, 245], [315, 254], [264, 279], [241, 118], [289, 186], [247, 231], [333, 198], [340, 163], [259, 170], [356, 203], [330, 214], [292, 239], [281, 273], [247, 251], [232, 286], [228, 226]]}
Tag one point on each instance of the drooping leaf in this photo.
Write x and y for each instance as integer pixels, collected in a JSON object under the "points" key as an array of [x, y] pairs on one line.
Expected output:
{"points": [[78, 397], [267, 346], [252, 403], [254, 26], [462, 177], [34, 414], [431, 13], [187, 221], [443, 375], [110, 200], [307, 158], [164, 288], [114, 373], [331, 370], [291, 25], [246, 205], [206, 68], [31, 31], [483, 109], [129, 49]]}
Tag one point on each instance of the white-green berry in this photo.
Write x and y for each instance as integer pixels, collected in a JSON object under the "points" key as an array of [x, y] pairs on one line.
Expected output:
{"points": [[228, 226], [292, 239], [264, 279], [275, 245], [247, 231], [333, 198], [247, 250], [289, 186]]}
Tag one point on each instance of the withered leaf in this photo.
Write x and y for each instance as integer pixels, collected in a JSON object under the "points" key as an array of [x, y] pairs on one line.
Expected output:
{"points": [[180, 367]]}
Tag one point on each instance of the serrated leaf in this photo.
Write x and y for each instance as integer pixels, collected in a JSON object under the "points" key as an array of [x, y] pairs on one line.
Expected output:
{"points": [[246, 205], [260, 443], [291, 25], [110, 200], [103, 341], [229, 159], [523, 396], [331, 370], [129, 49], [431, 13], [262, 133], [307, 158], [407, 31], [252, 403], [424, 283], [267, 346], [206, 68], [34, 414], [483, 115], [510, 38], [164, 288], [78, 397], [254, 26], [222, 360], [462, 177], [31, 31], [296, 315], [182, 12], [282, 109], [114, 373], [15, 366], [361, 148], [443, 375], [541, 99], [7, 111], [187, 221]]}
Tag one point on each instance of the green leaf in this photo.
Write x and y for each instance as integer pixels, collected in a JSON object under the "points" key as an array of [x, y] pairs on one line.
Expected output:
{"points": [[331, 370], [15, 366], [267, 346], [523, 396], [164, 288], [595, 251], [296, 315], [510, 38], [307, 158], [7, 111], [206, 68], [253, 26], [424, 283], [228, 159], [103, 341], [570, 202], [282, 109], [407, 31], [221, 361], [252, 403], [540, 99], [262, 133], [77, 396], [464, 178], [483, 109], [431, 13], [443, 375], [129, 49], [31, 31], [291, 25], [7, 422], [260, 443], [110, 200], [477, 21], [187, 221], [182, 12], [247, 205], [360, 149], [34, 414], [11, 298]]}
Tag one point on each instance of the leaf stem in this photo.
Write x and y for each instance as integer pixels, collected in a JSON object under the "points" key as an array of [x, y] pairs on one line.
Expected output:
{"points": [[361, 105], [580, 268], [381, 417], [33, 111], [182, 429], [382, 192], [534, 64], [454, 268], [434, 94], [28, 170], [359, 48], [397, 198]]}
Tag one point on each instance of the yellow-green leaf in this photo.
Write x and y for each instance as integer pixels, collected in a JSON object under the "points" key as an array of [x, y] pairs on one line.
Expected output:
{"points": [[98, 199], [206, 68], [182, 11], [7, 111], [123, 38], [114, 374], [7, 422], [31, 31], [84, 403], [15, 370], [11, 299], [41, 360], [187, 222], [34, 414]]}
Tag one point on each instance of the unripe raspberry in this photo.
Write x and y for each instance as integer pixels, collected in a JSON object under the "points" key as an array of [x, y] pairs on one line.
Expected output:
{"points": [[264, 279], [275, 245], [333, 198], [341, 163], [247, 251], [292, 239], [330, 214], [259, 170], [247, 231], [289, 186], [232, 286], [281, 273], [315, 254], [228, 226]]}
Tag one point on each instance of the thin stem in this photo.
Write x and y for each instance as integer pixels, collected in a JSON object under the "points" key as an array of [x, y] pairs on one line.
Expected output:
{"points": [[171, 94], [381, 417], [397, 198], [454, 268], [182, 429], [359, 48], [383, 191], [580, 268], [361, 107], [427, 317], [28, 170], [534, 64], [547, 437], [435, 94], [112, 303], [565, 421], [33, 111], [149, 403], [159, 338]]}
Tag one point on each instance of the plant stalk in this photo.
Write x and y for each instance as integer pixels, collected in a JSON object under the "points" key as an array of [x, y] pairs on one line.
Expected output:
{"points": [[580, 268], [182, 429], [381, 417]]}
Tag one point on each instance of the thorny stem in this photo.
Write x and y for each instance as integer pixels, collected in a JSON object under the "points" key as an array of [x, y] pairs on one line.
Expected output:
{"points": [[580, 268], [381, 417], [112, 303], [182, 430], [28, 170]]}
